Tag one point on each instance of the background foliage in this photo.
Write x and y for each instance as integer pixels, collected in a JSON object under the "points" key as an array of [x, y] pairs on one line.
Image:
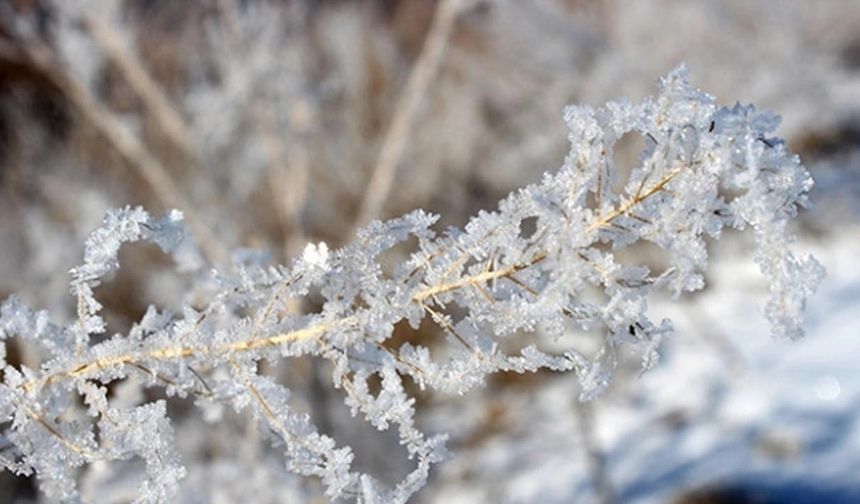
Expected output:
{"points": [[265, 123]]}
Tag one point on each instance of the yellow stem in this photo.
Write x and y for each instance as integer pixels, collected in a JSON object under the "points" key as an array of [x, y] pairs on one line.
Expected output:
{"points": [[317, 330]]}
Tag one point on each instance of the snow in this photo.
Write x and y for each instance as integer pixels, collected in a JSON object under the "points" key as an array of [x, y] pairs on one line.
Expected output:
{"points": [[788, 423], [728, 406]]}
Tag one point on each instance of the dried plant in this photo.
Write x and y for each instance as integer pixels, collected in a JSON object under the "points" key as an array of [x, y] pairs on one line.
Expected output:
{"points": [[545, 264]]}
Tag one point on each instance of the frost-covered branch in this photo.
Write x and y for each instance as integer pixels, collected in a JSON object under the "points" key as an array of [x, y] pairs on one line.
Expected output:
{"points": [[530, 267]]}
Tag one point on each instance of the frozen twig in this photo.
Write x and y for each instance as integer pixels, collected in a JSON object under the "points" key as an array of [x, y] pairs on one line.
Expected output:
{"points": [[397, 136], [703, 170]]}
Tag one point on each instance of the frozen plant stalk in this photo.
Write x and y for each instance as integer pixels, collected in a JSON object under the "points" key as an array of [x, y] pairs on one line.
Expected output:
{"points": [[703, 168]]}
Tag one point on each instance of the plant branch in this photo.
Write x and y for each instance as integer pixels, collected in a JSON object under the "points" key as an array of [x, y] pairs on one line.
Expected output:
{"points": [[318, 330]]}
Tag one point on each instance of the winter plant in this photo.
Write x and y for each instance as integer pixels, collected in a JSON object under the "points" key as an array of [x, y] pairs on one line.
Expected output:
{"points": [[544, 264]]}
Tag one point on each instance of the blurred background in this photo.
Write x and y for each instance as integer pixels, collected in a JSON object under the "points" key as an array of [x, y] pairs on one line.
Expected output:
{"points": [[272, 124]]}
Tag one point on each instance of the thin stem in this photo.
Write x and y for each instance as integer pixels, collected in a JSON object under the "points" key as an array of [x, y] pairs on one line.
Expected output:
{"points": [[59, 435], [129, 147], [139, 79], [397, 136], [318, 330]]}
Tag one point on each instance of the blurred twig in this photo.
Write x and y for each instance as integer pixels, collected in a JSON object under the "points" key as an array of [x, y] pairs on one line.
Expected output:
{"points": [[126, 144], [139, 79], [394, 142], [288, 172]]}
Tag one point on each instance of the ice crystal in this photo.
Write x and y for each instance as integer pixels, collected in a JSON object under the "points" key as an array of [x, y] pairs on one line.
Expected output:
{"points": [[703, 168]]}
